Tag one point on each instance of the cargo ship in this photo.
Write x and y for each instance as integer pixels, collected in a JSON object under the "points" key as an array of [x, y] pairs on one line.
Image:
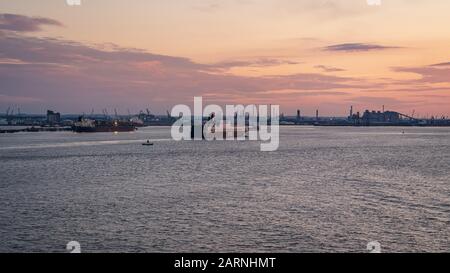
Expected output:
{"points": [[94, 126]]}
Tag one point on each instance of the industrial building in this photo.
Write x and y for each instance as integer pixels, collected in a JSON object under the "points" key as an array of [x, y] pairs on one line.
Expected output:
{"points": [[53, 118]]}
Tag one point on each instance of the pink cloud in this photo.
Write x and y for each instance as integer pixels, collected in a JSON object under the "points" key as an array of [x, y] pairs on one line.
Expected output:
{"points": [[21, 23], [438, 73]]}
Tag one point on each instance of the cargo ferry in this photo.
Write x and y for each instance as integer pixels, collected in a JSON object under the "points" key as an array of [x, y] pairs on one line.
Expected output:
{"points": [[94, 126]]}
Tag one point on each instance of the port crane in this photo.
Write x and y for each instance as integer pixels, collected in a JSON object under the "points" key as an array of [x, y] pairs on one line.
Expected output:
{"points": [[105, 113]]}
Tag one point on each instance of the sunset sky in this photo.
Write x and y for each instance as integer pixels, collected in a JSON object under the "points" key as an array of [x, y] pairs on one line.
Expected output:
{"points": [[301, 54]]}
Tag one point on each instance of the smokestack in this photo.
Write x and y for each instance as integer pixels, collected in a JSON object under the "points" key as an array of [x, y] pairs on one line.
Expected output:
{"points": [[351, 111], [270, 112], [317, 114]]}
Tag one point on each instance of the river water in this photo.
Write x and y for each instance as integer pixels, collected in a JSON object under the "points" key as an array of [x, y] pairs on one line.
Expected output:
{"points": [[324, 190]]}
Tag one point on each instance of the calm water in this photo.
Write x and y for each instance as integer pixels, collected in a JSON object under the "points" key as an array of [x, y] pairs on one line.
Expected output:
{"points": [[325, 190]]}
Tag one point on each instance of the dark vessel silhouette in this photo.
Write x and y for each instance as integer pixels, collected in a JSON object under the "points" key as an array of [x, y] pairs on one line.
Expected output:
{"points": [[148, 143], [95, 126]]}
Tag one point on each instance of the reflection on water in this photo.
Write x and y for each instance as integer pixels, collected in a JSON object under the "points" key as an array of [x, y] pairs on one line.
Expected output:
{"points": [[79, 143], [324, 190]]}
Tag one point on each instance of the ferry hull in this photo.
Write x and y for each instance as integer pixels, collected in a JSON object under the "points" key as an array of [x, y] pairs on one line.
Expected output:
{"points": [[104, 129]]}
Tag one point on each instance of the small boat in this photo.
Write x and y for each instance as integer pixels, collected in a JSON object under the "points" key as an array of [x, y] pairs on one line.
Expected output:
{"points": [[148, 143]]}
